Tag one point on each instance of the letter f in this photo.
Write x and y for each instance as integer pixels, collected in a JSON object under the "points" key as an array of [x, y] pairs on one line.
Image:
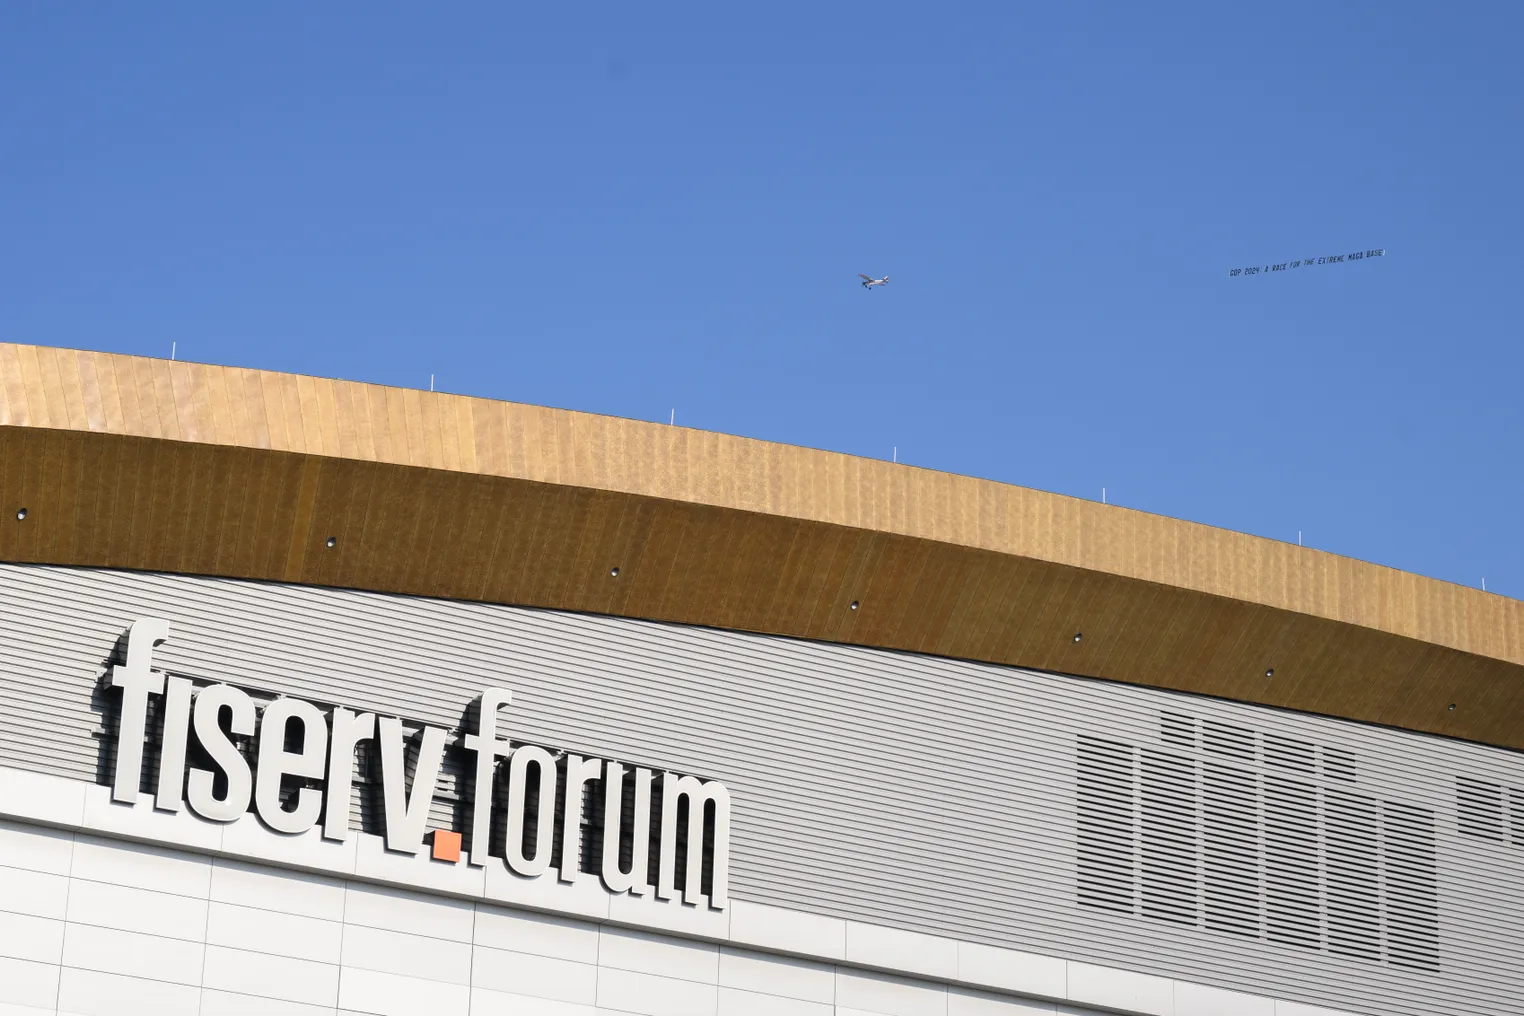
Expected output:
{"points": [[488, 750], [137, 680]]}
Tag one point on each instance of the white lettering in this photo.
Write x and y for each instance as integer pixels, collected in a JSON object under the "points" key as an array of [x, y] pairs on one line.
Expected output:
{"points": [[694, 821], [177, 706], [207, 721], [698, 794], [348, 731], [407, 814], [578, 773], [635, 881], [275, 763], [545, 826], [137, 680], [489, 751]]}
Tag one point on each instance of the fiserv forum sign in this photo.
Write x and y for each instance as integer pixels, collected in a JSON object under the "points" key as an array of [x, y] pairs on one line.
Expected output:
{"points": [[524, 783]]}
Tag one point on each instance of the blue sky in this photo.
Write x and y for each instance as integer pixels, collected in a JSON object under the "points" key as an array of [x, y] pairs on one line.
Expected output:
{"points": [[631, 209]]}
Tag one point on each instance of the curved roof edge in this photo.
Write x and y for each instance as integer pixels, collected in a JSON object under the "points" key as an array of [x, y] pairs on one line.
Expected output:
{"points": [[142, 463]]}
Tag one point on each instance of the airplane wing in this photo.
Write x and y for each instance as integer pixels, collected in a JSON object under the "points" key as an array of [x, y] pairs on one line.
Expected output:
{"points": [[860, 275]]}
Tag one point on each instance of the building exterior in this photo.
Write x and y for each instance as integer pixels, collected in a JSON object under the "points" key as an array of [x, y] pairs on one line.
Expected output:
{"points": [[320, 697]]}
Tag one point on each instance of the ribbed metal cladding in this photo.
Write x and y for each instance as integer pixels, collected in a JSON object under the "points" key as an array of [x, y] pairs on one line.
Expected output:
{"points": [[1288, 855]]}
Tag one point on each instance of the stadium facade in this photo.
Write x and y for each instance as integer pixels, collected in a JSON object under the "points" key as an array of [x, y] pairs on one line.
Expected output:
{"points": [[323, 697]]}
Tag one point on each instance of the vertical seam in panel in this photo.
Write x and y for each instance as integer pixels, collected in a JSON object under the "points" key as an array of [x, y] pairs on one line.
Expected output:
{"points": [[206, 930], [63, 939], [476, 909], [598, 963], [338, 994]]}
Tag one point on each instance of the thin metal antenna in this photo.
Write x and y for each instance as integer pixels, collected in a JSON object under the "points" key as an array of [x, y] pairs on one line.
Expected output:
{"points": [[673, 421], [172, 350], [896, 453], [1298, 537], [1484, 583], [431, 382], [1103, 495]]}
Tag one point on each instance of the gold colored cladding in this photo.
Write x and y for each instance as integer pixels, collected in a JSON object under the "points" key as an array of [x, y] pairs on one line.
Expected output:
{"points": [[133, 462]]}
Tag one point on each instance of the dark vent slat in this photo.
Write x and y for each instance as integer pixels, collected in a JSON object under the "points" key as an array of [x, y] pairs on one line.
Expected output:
{"points": [[1231, 849], [1480, 811], [1354, 921], [1291, 862], [1106, 824], [1412, 887], [1169, 837]]}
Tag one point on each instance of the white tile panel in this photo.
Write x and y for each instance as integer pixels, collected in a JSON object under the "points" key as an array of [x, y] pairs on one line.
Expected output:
{"points": [[485, 1002], [420, 870], [9, 1009], [540, 934], [655, 954], [227, 1003], [383, 994], [23, 982], [32, 892], [967, 1002], [433, 959], [893, 949], [777, 975], [536, 976], [891, 996], [33, 848], [129, 909], [628, 991], [1009, 970], [289, 892], [92, 993], [1200, 1000], [765, 927], [583, 898], [249, 838], [146, 930], [131, 864], [279, 977], [141, 822], [268, 931], [668, 915], [1121, 989], [23, 937], [34, 797], [736, 1002], [408, 912], [132, 954]]}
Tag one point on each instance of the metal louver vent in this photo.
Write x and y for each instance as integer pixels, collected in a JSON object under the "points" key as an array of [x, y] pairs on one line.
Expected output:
{"points": [[1259, 846], [1169, 837], [1412, 888], [1338, 765], [1177, 729], [1289, 753], [1106, 825], [1228, 740], [1291, 862], [1354, 927], [1232, 848], [1480, 811]]}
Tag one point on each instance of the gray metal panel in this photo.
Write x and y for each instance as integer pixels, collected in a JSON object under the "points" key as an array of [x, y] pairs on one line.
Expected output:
{"points": [[907, 791]]}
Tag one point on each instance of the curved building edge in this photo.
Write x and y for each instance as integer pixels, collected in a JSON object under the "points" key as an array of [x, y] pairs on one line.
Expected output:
{"points": [[132, 462]]}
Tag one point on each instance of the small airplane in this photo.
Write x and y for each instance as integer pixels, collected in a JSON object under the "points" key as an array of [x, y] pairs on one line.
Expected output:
{"points": [[869, 281]]}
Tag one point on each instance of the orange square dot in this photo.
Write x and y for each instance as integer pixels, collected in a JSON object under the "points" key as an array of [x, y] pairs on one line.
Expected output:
{"points": [[446, 846]]}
